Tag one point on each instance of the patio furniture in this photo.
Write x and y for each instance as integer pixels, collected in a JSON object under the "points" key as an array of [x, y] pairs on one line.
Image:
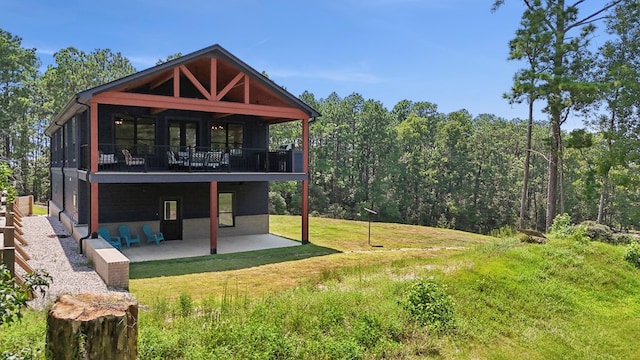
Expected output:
{"points": [[173, 161], [125, 233], [152, 236], [115, 241], [107, 159], [130, 160]]}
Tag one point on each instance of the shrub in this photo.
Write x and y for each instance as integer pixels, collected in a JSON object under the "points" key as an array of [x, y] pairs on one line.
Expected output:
{"points": [[185, 305], [503, 232], [598, 232], [580, 235], [561, 226], [429, 305], [623, 239], [632, 255]]}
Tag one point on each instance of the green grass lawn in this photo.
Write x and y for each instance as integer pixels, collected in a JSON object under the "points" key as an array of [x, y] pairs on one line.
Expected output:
{"points": [[40, 210], [340, 299]]}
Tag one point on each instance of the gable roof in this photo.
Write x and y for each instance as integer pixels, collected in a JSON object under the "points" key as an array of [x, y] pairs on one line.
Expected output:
{"points": [[80, 100]]}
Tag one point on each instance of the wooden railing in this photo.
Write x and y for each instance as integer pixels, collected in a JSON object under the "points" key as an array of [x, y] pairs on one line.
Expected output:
{"points": [[12, 253]]}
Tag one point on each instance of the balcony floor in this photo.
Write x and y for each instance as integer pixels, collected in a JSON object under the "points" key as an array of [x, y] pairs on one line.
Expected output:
{"points": [[199, 247]]}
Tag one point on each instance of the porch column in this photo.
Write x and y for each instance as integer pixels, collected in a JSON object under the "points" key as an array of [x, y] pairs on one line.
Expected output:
{"points": [[93, 166], [305, 183], [213, 217]]}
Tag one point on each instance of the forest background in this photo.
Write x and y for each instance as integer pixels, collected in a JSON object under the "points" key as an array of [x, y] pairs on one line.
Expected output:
{"points": [[412, 163]]}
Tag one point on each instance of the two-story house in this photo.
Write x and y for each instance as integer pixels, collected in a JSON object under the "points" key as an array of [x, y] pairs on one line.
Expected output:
{"points": [[182, 146]]}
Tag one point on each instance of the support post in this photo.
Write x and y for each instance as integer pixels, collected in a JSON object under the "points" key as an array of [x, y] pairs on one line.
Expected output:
{"points": [[93, 156], [9, 252], [213, 217], [305, 183]]}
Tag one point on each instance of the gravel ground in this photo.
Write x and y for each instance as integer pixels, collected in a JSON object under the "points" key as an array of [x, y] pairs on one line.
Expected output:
{"points": [[52, 250]]}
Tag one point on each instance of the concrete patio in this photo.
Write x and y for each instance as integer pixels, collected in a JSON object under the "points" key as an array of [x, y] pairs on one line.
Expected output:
{"points": [[199, 247]]}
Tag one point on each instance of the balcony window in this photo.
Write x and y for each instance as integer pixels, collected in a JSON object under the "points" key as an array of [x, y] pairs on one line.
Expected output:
{"points": [[137, 134], [227, 136]]}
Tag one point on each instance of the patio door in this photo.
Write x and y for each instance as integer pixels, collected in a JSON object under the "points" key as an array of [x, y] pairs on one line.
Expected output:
{"points": [[171, 218]]}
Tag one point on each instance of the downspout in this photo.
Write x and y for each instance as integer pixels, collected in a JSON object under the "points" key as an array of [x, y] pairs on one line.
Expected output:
{"points": [[91, 234], [64, 179]]}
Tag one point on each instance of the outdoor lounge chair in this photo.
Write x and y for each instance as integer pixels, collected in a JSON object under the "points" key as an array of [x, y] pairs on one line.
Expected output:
{"points": [[130, 160], [113, 240], [152, 236], [125, 233]]}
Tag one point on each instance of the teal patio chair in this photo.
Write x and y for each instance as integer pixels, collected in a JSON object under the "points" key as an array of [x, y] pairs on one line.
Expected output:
{"points": [[152, 236], [115, 241], [125, 233]]}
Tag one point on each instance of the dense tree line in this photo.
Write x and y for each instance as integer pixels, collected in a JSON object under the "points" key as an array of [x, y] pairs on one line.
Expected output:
{"points": [[413, 163]]}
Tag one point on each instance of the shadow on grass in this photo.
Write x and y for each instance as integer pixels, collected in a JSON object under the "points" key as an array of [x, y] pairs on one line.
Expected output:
{"points": [[224, 262]]}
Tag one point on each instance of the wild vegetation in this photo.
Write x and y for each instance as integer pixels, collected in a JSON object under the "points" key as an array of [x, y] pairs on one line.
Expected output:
{"points": [[426, 293], [413, 163]]}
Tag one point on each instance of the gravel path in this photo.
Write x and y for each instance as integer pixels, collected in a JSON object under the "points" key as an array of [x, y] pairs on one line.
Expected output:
{"points": [[52, 250]]}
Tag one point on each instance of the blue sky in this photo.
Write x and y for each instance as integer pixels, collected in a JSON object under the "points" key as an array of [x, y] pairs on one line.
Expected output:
{"points": [[449, 52]]}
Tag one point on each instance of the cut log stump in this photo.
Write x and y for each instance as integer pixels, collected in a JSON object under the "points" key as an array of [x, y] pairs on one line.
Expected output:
{"points": [[93, 326]]}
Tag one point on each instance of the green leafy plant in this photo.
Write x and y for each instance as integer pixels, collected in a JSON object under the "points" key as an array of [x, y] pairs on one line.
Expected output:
{"points": [[561, 226], [6, 176], [429, 305], [14, 297], [632, 255]]}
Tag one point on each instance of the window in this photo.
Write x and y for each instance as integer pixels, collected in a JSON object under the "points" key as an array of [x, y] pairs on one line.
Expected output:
{"points": [[183, 134], [227, 136], [170, 210], [136, 134], [226, 217]]}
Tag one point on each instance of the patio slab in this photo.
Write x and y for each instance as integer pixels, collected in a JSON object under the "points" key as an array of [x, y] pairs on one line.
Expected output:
{"points": [[174, 249]]}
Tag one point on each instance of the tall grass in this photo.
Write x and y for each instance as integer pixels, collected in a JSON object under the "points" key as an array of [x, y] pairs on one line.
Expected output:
{"points": [[563, 299]]}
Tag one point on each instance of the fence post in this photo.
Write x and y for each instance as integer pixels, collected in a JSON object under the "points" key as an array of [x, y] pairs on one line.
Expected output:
{"points": [[30, 205], [8, 252]]}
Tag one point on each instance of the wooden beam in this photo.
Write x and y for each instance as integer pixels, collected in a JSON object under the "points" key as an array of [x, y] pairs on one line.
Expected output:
{"points": [[305, 183], [161, 80], [93, 137], [213, 79], [246, 89], [225, 107], [22, 253], [195, 81], [213, 217], [155, 111], [229, 86], [176, 82], [23, 264], [20, 239]]}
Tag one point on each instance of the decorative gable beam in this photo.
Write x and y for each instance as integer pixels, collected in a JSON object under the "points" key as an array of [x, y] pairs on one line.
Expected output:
{"points": [[176, 82], [230, 86], [246, 89], [178, 103], [154, 84], [195, 81], [155, 111], [213, 79]]}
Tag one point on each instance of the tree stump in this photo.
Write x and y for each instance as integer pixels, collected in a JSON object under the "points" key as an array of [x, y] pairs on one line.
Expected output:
{"points": [[93, 326]]}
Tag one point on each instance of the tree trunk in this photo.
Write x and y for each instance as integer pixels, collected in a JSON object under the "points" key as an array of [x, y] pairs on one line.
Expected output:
{"points": [[603, 197], [527, 159], [93, 326], [552, 184]]}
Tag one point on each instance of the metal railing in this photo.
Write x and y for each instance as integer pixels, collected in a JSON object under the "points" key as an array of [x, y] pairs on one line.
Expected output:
{"points": [[160, 158]]}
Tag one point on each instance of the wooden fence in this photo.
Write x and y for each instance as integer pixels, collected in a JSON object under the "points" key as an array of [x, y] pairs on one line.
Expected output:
{"points": [[12, 252]]}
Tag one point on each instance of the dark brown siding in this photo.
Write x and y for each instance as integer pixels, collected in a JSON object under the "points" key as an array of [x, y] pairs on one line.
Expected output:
{"points": [[141, 202]]}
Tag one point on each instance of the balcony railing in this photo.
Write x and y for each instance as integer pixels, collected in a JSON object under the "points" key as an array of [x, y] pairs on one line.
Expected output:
{"points": [[114, 157]]}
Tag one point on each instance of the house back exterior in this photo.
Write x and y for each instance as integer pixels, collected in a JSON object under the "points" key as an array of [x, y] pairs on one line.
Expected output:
{"points": [[183, 146]]}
